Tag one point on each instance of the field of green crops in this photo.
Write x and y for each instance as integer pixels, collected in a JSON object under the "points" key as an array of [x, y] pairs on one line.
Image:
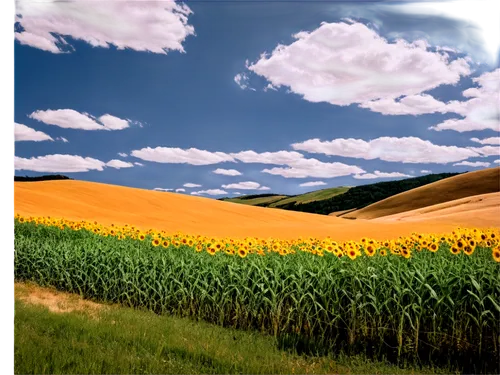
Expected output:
{"points": [[435, 308]]}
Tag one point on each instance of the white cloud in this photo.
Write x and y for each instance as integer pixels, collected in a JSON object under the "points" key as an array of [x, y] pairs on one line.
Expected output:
{"points": [[71, 119], [117, 164], [173, 155], [156, 26], [122, 154], [190, 185], [378, 174], [473, 164], [487, 141], [247, 185], [408, 105], [241, 80], [278, 157], [313, 183], [345, 63], [25, 133], [180, 190], [236, 193], [62, 139], [227, 172], [139, 164], [405, 150], [425, 171], [264, 188], [162, 189], [314, 168], [481, 111], [497, 161], [487, 150], [58, 163], [210, 192]]}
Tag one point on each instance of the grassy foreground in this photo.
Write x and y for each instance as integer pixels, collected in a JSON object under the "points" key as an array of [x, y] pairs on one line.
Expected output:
{"points": [[119, 340]]}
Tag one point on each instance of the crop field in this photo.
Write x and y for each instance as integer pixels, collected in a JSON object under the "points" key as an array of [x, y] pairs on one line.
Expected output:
{"points": [[423, 299]]}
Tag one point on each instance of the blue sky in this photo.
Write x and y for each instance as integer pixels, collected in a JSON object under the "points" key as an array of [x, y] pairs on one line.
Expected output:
{"points": [[342, 103]]}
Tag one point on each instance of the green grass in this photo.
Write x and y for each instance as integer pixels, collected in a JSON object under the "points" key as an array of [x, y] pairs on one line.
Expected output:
{"points": [[256, 201], [431, 308], [127, 341], [317, 195]]}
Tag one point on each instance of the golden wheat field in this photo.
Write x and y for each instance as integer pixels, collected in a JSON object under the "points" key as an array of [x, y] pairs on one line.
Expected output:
{"points": [[80, 200]]}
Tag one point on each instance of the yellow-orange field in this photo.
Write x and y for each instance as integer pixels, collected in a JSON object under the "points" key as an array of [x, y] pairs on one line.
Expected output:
{"points": [[107, 204]]}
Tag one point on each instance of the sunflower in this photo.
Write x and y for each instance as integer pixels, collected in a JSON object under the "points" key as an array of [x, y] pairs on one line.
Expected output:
{"points": [[383, 252], [405, 252], [242, 252], [351, 253], [211, 250], [454, 250], [141, 236], [156, 242], [370, 250], [218, 246], [468, 250], [496, 254], [433, 247]]}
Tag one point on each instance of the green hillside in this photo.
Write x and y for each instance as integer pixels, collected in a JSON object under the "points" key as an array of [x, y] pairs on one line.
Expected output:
{"points": [[326, 201]]}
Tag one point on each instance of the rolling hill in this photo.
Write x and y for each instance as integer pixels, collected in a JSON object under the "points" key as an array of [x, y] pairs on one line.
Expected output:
{"points": [[465, 185], [80, 200], [338, 200]]}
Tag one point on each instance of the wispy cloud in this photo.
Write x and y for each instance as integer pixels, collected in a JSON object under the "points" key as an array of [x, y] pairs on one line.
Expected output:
{"points": [[404, 150], [313, 183], [25, 133], [210, 192], [122, 154], [246, 185], [176, 155], [473, 164], [227, 172], [378, 174], [158, 27], [58, 163], [487, 141], [162, 189], [191, 185], [118, 164], [71, 119]]}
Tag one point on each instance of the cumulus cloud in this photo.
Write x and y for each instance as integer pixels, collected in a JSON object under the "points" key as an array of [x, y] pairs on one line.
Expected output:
{"points": [[190, 185], [404, 150], [180, 190], [425, 171], [378, 174], [210, 192], [473, 164], [408, 105], [71, 119], [487, 141], [227, 172], [497, 161], [345, 63], [313, 183], [162, 189], [58, 163], [155, 26], [122, 154], [175, 155], [247, 185], [25, 133], [481, 111], [314, 168], [118, 164]]}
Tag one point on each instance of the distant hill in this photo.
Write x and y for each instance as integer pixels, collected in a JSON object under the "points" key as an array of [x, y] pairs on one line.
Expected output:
{"points": [[277, 200], [338, 200], [466, 185], [48, 177]]}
